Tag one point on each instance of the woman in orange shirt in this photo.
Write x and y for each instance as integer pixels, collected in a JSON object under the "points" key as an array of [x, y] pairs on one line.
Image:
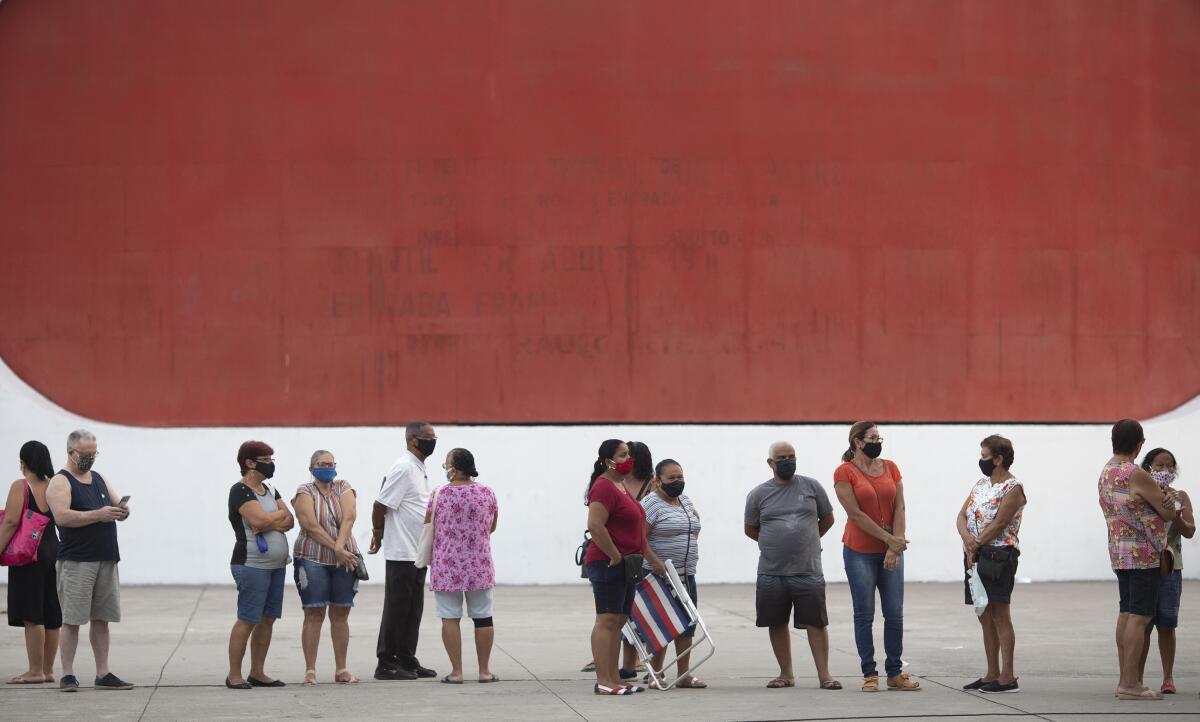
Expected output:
{"points": [[870, 490]]}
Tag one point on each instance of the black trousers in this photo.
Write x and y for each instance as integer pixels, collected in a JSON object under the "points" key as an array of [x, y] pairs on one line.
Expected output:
{"points": [[403, 603]]}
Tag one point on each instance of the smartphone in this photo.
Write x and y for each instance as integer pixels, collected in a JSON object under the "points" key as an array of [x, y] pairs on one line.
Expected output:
{"points": [[124, 500]]}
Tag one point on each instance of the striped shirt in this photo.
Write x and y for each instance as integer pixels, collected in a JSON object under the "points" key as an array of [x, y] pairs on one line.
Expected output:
{"points": [[674, 531], [328, 509]]}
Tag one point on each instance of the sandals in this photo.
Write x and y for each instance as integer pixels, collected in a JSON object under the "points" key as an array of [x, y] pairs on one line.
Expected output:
{"points": [[343, 676], [1146, 695], [489, 680], [903, 683], [447, 680], [831, 684], [780, 683], [871, 683], [310, 678], [1168, 688], [21, 679], [690, 682], [601, 689], [589, 667]]}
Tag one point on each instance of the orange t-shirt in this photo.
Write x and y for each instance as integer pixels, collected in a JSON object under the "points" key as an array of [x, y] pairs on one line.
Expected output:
{"points": [[876, 497]]}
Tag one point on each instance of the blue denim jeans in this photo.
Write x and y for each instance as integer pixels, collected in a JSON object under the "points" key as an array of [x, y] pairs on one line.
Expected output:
{"points": [[865, 573]]}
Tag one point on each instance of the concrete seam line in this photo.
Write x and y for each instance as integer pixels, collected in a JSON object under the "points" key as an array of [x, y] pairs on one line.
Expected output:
{"points": [[178, 644], [988, 698], [538, 680]]}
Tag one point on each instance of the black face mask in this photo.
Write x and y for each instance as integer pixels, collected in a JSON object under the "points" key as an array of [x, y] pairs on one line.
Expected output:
{"points": [[674, 489], [426, 446], [266, 468], [987, 466], [85, 461], [873, 449], [785, 469]]}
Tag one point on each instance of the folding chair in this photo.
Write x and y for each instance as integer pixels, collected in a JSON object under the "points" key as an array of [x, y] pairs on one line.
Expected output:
{"points": [[662, 610]]}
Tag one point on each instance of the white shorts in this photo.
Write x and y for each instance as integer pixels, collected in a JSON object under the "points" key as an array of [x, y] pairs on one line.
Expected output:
{"points": [[450, 604]]}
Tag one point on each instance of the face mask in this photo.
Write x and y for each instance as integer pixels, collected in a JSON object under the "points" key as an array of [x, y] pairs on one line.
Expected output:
{"points": [[785, 469], [426, 446], [987, 466], [1163, 478], [625, 467], [85, 461], [323, 473], [450, 474], [266, 468], [673, 489], [873, 449]]}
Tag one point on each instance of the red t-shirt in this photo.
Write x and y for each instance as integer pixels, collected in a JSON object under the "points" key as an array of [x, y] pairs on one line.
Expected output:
{"points": [[626, 520], [876, 496]]}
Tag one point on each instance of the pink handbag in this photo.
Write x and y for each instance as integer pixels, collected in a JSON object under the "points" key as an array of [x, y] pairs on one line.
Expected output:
{"points": [[22, 549]]}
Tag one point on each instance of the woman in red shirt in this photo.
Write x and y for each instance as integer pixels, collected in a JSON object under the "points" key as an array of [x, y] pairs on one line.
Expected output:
{"points": [[872, 494], [617, 524]]}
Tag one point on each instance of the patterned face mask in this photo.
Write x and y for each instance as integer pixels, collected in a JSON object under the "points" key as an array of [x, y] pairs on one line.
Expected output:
{"points": [[1163, 478], [85, 461]]}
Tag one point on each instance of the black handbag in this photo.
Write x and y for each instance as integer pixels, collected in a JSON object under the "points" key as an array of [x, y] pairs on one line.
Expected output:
{"points": [[634, 572], [360, 569], [581, 552]]}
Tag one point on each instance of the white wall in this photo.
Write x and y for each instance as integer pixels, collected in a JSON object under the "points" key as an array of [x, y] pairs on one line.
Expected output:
{"points": [[179, 480]]}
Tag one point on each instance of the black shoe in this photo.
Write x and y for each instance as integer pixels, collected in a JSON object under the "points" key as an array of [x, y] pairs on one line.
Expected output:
{"points": [[239, 685], [68, 683], [423, 672], [394, 673], [975, 685], [996, 687], [112, 681], [627, 673], [259, 683]]}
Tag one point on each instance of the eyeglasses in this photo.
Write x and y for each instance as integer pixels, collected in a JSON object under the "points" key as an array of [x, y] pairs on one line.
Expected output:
{"points": [[324, 465], [268, 460]]}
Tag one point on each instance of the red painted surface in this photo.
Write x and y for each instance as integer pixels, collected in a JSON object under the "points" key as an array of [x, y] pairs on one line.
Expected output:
{"points": [[286, 212]]}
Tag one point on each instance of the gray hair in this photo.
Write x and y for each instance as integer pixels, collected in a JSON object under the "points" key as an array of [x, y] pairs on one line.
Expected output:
{"points": [[78, 435], [777, 445], [316, 455], [414, 428]]}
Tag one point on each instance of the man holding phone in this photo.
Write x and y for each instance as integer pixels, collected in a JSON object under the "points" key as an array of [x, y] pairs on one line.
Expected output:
{"points": [[85, 513]]}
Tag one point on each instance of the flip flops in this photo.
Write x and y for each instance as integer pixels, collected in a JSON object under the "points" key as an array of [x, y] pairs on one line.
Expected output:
{"points": [[780, 683]]}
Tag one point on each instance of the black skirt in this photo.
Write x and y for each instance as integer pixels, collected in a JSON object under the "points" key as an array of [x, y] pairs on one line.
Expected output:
{"points": [[33, 588]]}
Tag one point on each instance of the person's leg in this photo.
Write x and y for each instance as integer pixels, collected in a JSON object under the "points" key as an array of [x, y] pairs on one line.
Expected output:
{"points": [[485, 636], [1006, 640], [991, 644], [415, 579], [682, 657], [339, 633], [1141, 665], [35, 645], [1122, 622], [781, 645], [862, 571], [818, 643], [260, 644], [238, 638], [891, 600], [1132, 643], [452, 640], [1166, 651], [310, 637], [49, 649], [606, 634], [68, 642], [98, 636], [1167, 619], [629, 657], [396, 599]]}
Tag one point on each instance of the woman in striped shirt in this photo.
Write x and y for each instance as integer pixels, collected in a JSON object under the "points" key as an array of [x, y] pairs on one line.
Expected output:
{"points": [[673, 530], [326, 555]]}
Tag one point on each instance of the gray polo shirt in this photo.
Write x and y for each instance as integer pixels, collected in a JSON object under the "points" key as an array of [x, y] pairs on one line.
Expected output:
{"points": [[787, 516]]}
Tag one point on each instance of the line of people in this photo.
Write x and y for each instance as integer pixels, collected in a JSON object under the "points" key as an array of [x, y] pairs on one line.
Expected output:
{"points": [[636, 511]]}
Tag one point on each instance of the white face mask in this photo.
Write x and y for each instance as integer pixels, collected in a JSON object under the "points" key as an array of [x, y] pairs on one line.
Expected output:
{"points": [[1163, 478], [450, 474]]}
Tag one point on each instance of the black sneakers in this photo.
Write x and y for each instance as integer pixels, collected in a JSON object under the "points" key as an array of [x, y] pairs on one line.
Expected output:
{"points": [[109, 681], [997, 688], [68, 683]]}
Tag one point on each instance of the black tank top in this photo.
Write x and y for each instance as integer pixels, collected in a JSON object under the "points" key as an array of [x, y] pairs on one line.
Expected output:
{"points": [[94, 542]]}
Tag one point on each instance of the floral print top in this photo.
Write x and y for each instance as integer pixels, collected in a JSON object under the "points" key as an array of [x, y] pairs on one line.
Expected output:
{"points": [[986, 498], [1136, 533], [462, 538]]}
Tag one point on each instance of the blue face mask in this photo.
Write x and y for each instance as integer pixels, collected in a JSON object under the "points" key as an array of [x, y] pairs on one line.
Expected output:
{"points": [[325, 474]]}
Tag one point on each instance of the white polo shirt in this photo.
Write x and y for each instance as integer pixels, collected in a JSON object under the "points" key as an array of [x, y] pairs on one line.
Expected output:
{"points": [[405, 493]]}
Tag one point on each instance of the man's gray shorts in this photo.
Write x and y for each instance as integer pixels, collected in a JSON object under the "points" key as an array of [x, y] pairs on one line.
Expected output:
{"points": [[89, 591]]}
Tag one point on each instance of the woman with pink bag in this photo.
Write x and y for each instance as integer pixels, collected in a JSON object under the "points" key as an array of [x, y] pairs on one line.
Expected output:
{"points": [[32, 593]]}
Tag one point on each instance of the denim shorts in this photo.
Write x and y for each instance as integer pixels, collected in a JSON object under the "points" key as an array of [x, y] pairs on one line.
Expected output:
{"points": [[1170, 588], [324, 585], [260, 592], [613, 595]]}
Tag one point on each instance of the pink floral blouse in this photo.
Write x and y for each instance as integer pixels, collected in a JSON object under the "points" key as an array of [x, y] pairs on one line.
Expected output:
{"points": [[986, 498], [462, 538], [1136, 533]]}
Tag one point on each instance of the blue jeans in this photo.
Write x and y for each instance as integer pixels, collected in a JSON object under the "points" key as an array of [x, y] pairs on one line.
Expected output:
{"points": [[324, 585], [865, 573], [260, 592]]}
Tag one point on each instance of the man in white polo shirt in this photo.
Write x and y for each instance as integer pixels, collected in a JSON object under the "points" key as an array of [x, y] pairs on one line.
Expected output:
{"points": [[397, 518]]}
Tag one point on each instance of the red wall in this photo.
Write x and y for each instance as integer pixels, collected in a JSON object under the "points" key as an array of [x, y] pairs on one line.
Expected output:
{"points": [[284, 212]]}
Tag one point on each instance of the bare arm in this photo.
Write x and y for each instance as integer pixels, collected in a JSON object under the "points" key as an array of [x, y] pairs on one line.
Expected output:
{"points": [[58, 496], [825, 523], [845, 495], [349, 501], [378, 516], [306, 513], [259, 520], [1012, 503], [1142, 485], [284, 520], [597, 518], [899, 522], [752, 532], [495, 520], [1185, 522], [12, 512]]}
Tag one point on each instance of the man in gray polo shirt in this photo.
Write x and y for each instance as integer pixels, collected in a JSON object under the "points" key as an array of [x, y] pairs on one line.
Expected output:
{"points": [[787, 515]]}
